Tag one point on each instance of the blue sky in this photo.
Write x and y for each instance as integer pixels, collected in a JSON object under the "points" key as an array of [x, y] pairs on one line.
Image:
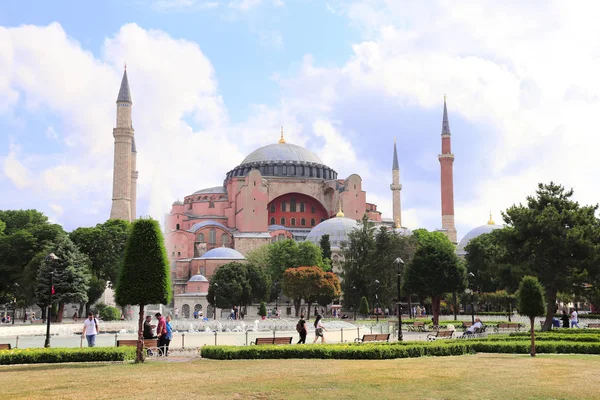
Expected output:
{"points": [[213, 80]]}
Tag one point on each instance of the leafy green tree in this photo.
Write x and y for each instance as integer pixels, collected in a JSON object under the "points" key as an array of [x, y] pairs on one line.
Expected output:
{"points": [[531, 303], [17, 220], [144, 273], [110, 313], [288, 253], [325, 245], [308, 283], [236, 284], [262, 310], [556, 238], [364, 306], [70, 278], [434, 270], [259, 257], [358, 254]]}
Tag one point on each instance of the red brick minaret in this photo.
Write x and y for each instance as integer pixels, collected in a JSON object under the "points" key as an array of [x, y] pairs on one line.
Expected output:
{"points": [[447, 181]]}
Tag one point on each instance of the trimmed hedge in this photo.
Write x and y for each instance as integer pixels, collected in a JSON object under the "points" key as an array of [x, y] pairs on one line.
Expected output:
{"points": [[333, 351], [545, 338], [62, 355], [524, 347], [561, 331]]}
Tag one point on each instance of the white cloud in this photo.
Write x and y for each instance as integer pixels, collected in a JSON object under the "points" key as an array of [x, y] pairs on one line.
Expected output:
{"points": [[176, 5], [15, 170]]}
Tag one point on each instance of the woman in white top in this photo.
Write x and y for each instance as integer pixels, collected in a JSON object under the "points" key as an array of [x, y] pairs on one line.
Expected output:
{"points": [[319, 328]]}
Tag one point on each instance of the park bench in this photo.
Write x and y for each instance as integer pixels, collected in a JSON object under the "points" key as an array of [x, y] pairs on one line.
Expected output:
{"points": [[466, 324], [417, 327], [508, 326], [376, 337], [593, 325], [148, 343], [440, 335], [272, 340], [5, 346], [37, 321]]}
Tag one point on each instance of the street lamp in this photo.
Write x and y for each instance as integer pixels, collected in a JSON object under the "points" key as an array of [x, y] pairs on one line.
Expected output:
{"points": [[354, 300], [216, 286], [51, 259], [470, 291], [16, 285], [377, 300], [398, 261]]}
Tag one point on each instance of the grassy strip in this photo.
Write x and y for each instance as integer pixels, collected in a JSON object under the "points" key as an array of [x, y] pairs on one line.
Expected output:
{"points": [[333, 351], [62, 355]]}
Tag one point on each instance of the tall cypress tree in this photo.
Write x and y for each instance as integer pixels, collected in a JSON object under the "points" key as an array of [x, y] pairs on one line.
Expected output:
{"points": [[144, 274], [325, 247]]}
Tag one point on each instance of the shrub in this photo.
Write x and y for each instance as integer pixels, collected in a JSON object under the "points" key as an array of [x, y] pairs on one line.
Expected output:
{"points": [[110, 313], [262, 311], [60, 355], [364, 306]]}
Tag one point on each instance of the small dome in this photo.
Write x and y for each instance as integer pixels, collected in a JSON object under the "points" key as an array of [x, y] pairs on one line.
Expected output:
{"points": [[198, 278], [177, 203], [337, 228], [222, 253], [473, 233], [402, 231], [212, 190], [282, 152]]}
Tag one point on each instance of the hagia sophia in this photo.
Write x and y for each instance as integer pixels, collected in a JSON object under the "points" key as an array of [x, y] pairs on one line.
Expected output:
{"points": [[279, 191]]}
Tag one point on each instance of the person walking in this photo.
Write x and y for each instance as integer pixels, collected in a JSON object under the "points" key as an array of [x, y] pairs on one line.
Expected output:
{"points": [[90, 329], [161, 332], [319, 328], [168, 336], [574, 318], [302, 329]]}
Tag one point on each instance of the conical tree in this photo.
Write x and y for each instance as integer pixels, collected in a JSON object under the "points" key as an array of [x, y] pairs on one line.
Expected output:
{"points": [[364, 306], [144, 272], [531, 303]]}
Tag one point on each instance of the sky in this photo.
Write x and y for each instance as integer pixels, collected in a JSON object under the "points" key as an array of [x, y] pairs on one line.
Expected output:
{"points": [[211, 81]]}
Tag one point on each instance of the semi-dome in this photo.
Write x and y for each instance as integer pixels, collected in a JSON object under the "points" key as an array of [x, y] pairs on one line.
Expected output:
{"points": [[211, 190], [222, 253], [473, 233], [337, 228], [198, 278], [286, 160]]}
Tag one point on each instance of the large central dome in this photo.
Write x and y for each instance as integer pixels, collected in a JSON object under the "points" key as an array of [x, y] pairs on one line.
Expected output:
{"points": [[282, 152]]}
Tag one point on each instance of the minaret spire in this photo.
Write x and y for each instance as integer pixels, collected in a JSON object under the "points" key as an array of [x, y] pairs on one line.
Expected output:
{"points": [[447, 179], [124, 168], [396, 187]]}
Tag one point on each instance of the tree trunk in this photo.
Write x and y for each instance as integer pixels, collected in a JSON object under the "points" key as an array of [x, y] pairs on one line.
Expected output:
{"points": [[80, 311], [550, 302], [308, 310], [454, 305], [139, 355], [435, 308], [297, 307], [532, 337], [61, 310]]}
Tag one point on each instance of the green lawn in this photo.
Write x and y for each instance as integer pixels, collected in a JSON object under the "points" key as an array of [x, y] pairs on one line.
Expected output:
{"points": [[481, 376]]}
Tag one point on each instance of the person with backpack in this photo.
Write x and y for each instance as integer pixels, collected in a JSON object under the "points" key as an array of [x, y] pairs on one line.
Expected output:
{"points": [[90, 329], [302, 329]]}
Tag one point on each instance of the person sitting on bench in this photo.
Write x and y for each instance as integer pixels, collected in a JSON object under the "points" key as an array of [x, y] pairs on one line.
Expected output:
{"points": [[473, 328]]}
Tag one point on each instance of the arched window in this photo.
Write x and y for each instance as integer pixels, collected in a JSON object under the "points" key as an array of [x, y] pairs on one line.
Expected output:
{"points": [[281, 236], [302, 207], [212, 236], [272, 207], [292, 170], [282, 221], [225, 239], [293, 221], [186, 311], [303, 222], [293, 204], [283, 206], [312, 222], [272, 222], [200, 237], [177, 227], [313, 210]]}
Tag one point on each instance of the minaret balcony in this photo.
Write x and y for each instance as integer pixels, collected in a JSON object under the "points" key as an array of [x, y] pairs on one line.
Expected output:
{"points": [[394, 186], [450, 156]]}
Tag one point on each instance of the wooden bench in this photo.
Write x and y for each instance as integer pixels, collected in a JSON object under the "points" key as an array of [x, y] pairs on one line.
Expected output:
{"points": [[509, 325], [441, 335], [376, 337], [37, 321], [466, 324], [417, 327], [148, 343], [5, 346], [593, 325], [272, 340]]}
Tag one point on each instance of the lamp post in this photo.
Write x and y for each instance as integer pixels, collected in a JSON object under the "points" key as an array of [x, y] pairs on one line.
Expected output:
{"points": [[470, 290], [354, 300], [216, 286], [399, 262], [377, 300], [51, 259]]}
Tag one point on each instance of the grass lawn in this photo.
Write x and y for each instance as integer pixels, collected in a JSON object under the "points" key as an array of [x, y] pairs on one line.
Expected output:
{"points": [[482, 376]]}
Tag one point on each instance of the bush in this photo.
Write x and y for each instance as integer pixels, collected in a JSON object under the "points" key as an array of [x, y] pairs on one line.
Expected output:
{"points": [[364, 306], [334, 351], [523, 347], [262, 311], [60, 355], [110, 313], [566, 331]]}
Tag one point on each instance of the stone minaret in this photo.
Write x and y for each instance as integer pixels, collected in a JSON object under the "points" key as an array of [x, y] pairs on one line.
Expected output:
{"points": [[396, 187], [447, 181], [124, 173]]}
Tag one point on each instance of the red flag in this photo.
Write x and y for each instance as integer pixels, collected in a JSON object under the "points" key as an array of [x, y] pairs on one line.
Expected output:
{"points": [[53, 291]]}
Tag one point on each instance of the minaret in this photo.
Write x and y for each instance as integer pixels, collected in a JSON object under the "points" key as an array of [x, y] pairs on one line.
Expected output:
{"points": [[124, 174], [447, 180], [396, 187], [134, 178]]}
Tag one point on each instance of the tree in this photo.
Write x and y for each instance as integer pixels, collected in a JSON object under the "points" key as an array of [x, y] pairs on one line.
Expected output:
{"points": [[531, 303], [358, 254], [308, 283], [364, 306], [325, 245], [262, 310], [70, 278], [237, 284], [556, 239], [144, 273], [288, 253], [434, 270], [104, 244]]}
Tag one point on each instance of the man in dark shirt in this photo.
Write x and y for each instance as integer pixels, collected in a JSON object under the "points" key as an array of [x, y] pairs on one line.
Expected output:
{"points": [[302, 329], [149, 328]]}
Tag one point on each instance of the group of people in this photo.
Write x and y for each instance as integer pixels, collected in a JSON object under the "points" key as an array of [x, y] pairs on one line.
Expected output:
{"points": [[164, 332], [302, 328], [6, 319]]}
